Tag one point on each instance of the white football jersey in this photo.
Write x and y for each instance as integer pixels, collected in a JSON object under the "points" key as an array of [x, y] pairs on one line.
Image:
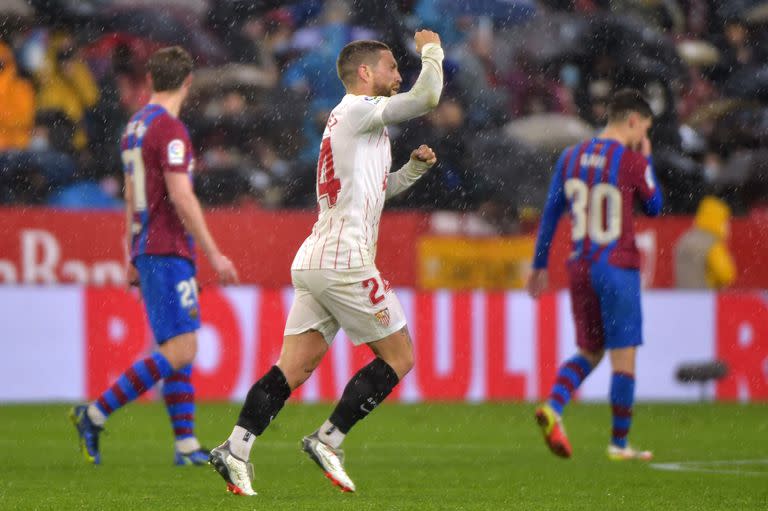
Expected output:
{"points": [[354, 162]]}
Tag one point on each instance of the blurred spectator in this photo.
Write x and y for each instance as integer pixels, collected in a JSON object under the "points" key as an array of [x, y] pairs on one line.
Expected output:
{"points": [[133, 90], [17, 104], [266, 81], [86, 194], [479, 79], [314, 73], [30, 162], [697, 90], [702, 259], [738, 49], [454, 182], [533, 91], [88, 188], [256, 40], [66, 84], [441, 16], [123, 90]]}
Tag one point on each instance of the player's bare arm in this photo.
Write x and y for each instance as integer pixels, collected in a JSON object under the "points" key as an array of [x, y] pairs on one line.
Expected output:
{"points": [[422, 159], [538, 281], [191, 214], [131, 274]]}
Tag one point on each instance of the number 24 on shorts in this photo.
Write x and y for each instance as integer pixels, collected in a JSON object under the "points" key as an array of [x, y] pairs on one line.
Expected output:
{"points": [[374, 295]]}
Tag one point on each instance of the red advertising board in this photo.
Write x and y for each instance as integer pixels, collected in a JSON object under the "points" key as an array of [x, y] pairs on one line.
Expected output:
{"points": [[41, 245], [656, 239], [469, 346], [51, 246]]}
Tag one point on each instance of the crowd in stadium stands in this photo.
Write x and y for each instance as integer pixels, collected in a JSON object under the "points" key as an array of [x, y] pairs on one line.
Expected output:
{"points": [[524, 79]]}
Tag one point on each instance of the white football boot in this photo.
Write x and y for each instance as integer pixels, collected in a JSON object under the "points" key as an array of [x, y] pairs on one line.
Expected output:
{"points": [[330, 460], [616, 453], [237, 473]]}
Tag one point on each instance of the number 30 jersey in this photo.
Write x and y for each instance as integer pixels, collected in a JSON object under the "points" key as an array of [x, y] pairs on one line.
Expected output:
{"points": [[355, 158], [598, 182]]}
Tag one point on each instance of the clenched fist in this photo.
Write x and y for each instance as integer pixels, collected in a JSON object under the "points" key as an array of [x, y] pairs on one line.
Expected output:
{"points": [[424, 154], [424, 37]]}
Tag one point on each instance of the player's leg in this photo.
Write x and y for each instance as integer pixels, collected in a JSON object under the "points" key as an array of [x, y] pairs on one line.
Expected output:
{"points": [[299, 356], [622, 320], [570, 376], [370, 313], [174, 317], [585, 307], [178, 390], [309, 330], [179, 397], [370, 385], [364, 392], [622, 395]]}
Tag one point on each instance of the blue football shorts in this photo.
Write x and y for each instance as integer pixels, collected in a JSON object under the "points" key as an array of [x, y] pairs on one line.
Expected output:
{"points": [[606, 306], [170, 294]]}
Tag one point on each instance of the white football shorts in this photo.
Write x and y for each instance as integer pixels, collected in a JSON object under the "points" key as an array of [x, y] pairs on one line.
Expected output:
{"points": [[357, 300]]}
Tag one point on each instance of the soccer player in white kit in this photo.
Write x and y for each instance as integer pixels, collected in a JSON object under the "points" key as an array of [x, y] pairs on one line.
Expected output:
{"points": [[334, 274]]}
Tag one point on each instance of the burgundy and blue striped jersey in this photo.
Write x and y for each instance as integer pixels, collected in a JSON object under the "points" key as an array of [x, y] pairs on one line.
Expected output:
{"points": [[155, 142], [598, 182]]}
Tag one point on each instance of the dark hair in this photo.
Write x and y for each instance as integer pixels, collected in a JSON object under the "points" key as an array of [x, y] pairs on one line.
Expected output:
{"points": [[354, 54], [169, 68], [626, 101]]}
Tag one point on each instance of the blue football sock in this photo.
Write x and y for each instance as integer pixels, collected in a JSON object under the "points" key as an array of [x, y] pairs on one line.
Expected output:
{"points": [[569, 377], [139, 378], [622, 399]]}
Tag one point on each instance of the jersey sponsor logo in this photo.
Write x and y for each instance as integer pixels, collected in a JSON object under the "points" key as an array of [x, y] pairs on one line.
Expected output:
{"points": [[383, 317], [374, 100], [176, 152]]}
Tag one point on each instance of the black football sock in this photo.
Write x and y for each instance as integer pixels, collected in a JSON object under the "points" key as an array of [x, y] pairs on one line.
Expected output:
{"points": [[364, 392], [264, 401]]}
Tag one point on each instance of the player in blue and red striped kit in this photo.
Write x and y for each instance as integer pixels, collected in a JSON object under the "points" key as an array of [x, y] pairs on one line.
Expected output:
{"points": [[598, 181], [163, 218]]}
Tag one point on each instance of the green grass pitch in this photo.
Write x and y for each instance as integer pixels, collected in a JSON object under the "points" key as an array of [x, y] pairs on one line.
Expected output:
{"points": [[420, 457]]}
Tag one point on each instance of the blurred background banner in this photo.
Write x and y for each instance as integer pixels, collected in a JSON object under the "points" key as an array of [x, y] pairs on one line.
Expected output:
{"points": [[474, 263], [422, 250], [473, 346]]}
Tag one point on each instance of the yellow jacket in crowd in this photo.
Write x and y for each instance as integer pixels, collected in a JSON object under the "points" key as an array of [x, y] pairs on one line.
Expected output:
{"points": [[66, 84], [17, 104], [702, 259]]}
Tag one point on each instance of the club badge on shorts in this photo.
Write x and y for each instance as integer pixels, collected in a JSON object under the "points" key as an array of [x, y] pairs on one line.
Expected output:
{"points": [[383, 317]]}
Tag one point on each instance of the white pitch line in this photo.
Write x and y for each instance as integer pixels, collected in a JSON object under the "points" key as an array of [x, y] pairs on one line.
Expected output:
{"points": [[707, 466]]}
